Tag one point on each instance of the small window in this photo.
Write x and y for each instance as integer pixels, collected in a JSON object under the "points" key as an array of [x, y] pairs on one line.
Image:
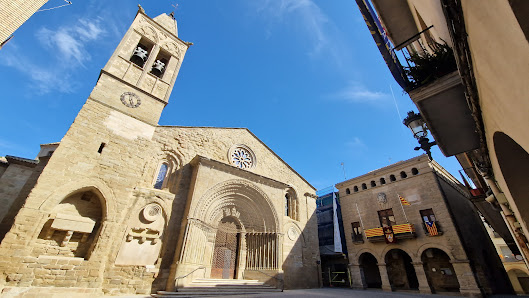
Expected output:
{"points": [[427, 215], [287, 205], [357, 232], [392, 178], [382, 181], [347, 191], [355, 189], [386, 218], [414, 171], [364, 186], [160, 179], [373, 184], [403, 175]]}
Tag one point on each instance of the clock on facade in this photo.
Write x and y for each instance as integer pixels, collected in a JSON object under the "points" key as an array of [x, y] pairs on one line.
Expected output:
{"points": [[130, 100]]}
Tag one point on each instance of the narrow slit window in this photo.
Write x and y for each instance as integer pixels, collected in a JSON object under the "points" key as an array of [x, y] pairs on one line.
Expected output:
{"points": [[364, 186], [347, 191], [373, 184], [382, 181], [100, 150], [160, 179], [355, 189], [392, 178]]}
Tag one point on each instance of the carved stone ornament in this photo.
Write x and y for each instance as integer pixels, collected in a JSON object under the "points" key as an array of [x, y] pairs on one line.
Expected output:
{"points": [[292, 233], [242, 157], [152, 212], [130, 100], [381, 197]]}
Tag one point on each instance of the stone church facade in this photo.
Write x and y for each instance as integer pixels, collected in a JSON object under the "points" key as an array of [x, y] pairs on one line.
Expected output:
{"points": [[125, 206]]}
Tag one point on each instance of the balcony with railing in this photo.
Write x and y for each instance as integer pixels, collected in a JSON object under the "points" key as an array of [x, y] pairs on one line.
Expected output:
{"points": [[432, 228], [404, 231]]}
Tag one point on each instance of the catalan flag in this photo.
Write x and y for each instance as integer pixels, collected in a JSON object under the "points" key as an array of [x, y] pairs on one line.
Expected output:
{"points": [[404, 202], [432, 229]]}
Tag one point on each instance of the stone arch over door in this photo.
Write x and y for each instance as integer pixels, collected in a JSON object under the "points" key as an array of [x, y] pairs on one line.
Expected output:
{"points": [[259, 240], [370, 272], [514, 165], [439, 271], [400, 269]]}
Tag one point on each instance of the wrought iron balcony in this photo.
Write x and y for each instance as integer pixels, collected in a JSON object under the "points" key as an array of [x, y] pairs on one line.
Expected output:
{"points": [[404, 231]]}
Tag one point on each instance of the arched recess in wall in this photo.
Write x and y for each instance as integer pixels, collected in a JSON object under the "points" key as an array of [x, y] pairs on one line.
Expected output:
{"points": [[73, 225], [439, 271], [520, 8], [514, 164]]}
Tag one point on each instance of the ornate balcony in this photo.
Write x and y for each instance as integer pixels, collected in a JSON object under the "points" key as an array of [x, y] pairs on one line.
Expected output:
{"points": [[404, 231]]}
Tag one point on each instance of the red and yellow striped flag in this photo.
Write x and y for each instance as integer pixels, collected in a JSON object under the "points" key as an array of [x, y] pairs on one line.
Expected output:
{"points": [[404, 202]]}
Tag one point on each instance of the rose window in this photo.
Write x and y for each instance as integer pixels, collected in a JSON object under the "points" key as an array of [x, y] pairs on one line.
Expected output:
{"points": [[242, 158]]}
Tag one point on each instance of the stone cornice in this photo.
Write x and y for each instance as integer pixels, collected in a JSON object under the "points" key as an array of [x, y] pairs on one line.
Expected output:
{"points": [[385, 170], [207, 162], [22, 161], [310, 195]]}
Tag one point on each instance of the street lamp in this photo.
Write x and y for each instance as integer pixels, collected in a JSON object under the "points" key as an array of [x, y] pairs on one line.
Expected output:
{"points": [[418, 127]]}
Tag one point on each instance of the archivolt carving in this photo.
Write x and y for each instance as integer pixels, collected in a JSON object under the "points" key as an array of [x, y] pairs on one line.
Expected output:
{"points": [[149, 32], [254, 209], [172, 48]]}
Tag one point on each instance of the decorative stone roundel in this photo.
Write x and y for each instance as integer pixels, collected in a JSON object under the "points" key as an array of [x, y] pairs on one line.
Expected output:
{"points": [[292, 233], [151, 212], [242, 157], [130, 99]]}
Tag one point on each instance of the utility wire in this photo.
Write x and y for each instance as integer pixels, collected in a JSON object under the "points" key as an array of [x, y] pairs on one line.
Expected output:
{"points": [[67, 3]]}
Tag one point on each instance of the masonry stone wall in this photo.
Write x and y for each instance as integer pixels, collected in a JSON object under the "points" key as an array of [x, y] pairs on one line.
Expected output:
{"points": [[14, 13]]}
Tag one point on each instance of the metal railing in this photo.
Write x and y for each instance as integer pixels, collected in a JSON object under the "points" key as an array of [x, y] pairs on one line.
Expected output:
{"points": [[177, 279]]}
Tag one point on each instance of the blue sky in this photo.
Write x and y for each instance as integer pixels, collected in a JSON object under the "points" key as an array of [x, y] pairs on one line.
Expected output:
{"points": [[305, 76]]}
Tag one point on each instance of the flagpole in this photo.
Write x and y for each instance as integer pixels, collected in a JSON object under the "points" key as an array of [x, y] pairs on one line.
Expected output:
{"points": [[361, 223], [402, 206]]}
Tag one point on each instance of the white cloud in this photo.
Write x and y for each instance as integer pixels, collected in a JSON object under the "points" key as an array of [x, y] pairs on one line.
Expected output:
{"points": [[71, 41], [304, 12], [356, 92], [356, 144], [67, 46]]}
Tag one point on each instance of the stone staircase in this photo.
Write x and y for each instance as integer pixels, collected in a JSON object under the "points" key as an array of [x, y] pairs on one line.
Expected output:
{"points": [[213, 287]]}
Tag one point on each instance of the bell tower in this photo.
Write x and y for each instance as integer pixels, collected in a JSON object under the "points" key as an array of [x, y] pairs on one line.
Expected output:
{"points": [[139, 77]]}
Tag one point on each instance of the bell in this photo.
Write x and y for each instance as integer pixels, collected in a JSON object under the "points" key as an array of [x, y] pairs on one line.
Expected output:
{"points": [[139, 56], [158, 67], [141, 53]]}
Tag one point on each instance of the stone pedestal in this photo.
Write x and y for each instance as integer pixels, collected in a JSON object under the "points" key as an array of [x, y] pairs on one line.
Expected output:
{"points": [[386, 285], [357, 278], [424, 287], [467, 282]]}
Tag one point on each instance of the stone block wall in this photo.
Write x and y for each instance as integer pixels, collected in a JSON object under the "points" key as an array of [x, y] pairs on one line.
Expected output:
{"points": [[14, 13]]}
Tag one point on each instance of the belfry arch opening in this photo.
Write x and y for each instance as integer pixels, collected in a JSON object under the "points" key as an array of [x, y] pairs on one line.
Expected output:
{"points": [[514, 163]]}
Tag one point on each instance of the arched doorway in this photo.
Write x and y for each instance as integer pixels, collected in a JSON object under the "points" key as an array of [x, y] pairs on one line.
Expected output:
{"points": [[369, 270], [514, 163], [439, 271], [226, 251], [401, 272], [519, 280]]}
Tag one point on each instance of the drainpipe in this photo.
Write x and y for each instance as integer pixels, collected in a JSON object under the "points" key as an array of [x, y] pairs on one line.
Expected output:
{"points": [[510, 217]]}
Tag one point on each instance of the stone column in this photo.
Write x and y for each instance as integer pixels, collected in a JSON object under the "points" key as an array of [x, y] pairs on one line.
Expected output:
{"points": [[467, 282], [386, 285], [357, 276], [424, 287]]}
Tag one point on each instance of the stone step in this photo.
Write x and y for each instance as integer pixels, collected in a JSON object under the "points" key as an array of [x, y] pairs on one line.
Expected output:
{"points": [[202, 294], [229, 289]]}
